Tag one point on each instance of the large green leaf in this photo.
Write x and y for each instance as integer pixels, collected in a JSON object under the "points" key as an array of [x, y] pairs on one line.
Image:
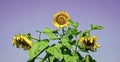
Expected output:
{"points": [[49, 33], [36, 49], [96, 27], [55, 51], [65, 41]]}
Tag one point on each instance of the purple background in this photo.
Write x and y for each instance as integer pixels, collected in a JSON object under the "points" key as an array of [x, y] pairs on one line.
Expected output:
{"points": [[23, 16]]}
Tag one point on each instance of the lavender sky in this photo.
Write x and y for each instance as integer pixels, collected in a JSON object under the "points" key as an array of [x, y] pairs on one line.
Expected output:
{"points": [[23, 16]]}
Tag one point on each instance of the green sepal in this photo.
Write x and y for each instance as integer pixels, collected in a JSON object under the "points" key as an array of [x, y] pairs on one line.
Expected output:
{"points": [[28, 35]]}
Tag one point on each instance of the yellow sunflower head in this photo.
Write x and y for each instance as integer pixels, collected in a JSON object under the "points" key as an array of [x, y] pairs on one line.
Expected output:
{"points": [[96, 45], [22, 41], [89, 43], [60, 19]]}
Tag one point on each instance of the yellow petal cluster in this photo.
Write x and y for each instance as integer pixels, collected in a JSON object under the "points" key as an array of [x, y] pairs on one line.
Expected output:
{"points": [[22, 41], [60, 19], [90, 42]]}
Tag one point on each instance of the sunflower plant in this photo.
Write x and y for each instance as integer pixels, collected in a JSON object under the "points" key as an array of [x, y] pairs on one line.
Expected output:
{"points": [[71, 42]]}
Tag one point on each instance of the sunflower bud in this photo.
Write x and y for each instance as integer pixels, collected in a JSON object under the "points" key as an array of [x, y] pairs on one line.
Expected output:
{"points": [[22, 41]]}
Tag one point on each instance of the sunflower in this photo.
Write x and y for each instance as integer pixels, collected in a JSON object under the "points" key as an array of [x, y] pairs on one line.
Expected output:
{"points": [[60, 19], [89, 43], [22, 41]]}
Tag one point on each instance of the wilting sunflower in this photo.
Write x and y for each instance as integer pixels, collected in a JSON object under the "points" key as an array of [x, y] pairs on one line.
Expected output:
{"points": [[60, 19], [22, 41], [89, 43]]}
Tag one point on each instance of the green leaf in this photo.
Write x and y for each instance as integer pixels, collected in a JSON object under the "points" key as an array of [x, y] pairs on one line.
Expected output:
{"points": [[37, 49], [69, 58], [82, 48], [52, 59], [73, 42], [96, 27], [65, 41], [88, 58], [72, 31], [80, 58], [47, 30], [52, 36], [55, 31], [55, 51], [75, 57], [65, 50], [49, 33], [87, 32], [74, 24]]}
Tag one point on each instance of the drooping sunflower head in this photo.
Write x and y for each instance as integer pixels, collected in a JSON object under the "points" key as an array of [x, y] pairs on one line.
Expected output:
{"points": [[89, 43], [60, 19], [21, 40]]}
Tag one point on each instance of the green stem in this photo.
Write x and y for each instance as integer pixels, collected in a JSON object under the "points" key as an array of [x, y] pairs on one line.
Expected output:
{"points": [[44, 58], [48, 58], [32, 37], [76, 44], [63, 31], [39, 58], [40, 36]]}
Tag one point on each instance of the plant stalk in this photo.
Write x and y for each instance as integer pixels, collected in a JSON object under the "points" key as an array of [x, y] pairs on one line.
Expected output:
{"points": [[76, 44]]}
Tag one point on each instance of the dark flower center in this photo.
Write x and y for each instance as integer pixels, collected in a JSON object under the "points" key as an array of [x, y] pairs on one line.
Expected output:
{"points": [[89, 44], [61, 20]]}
